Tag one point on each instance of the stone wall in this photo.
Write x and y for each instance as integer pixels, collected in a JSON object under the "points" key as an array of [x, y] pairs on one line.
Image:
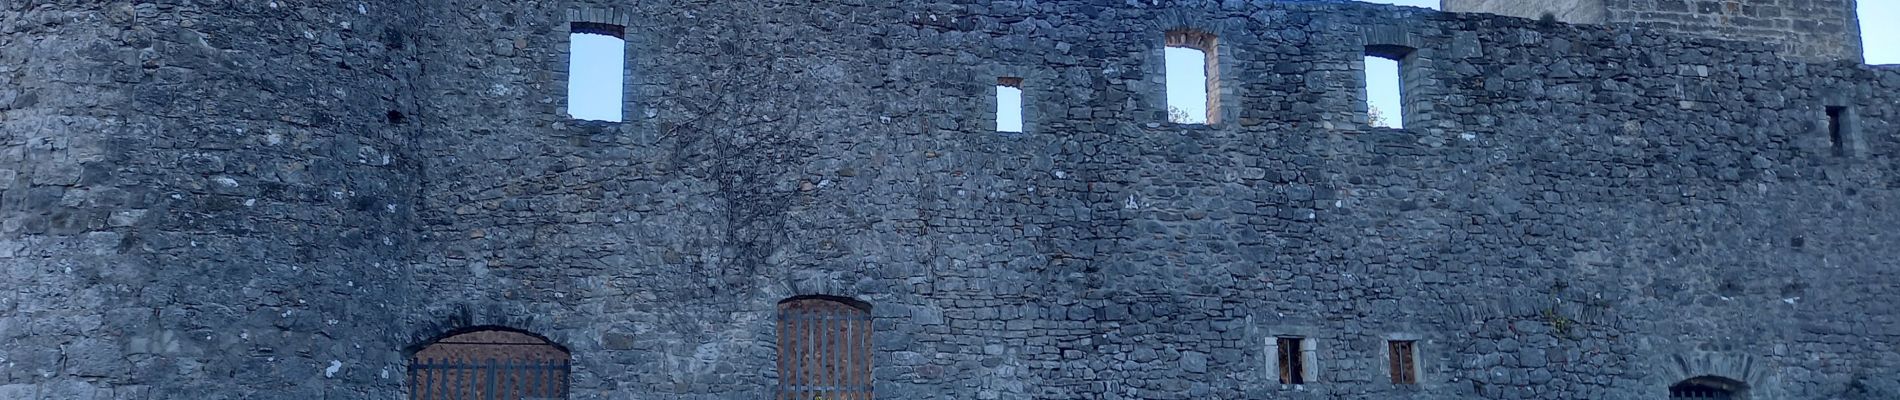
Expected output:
{"points": [[205, 201], [1569, 11], [1817, 30], [1587, 212], [1812, 30]]}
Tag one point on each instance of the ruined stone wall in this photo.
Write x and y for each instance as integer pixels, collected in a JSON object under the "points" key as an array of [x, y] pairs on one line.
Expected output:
{"points": [[1815, 30], [1811, 30], [203, 200], [1568, 11], [1588, 211], [1581, 212]]}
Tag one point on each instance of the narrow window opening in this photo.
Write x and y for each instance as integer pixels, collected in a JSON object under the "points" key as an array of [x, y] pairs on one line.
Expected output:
{"points": [[1292, 364], [1385, 86], [1193, 77], [1836, 127], [1404, 366], [596, 71], [1009, 104]]}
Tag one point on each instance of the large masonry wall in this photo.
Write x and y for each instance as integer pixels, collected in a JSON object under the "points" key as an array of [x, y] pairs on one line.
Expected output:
{"points": [[1812, 30], [1576, 211], [1569, 11], [1817, 30], [203, 201], [1588, 213]]}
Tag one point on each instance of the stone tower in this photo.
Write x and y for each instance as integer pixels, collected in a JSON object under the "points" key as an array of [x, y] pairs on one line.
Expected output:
{"points": [[1810, 30]]}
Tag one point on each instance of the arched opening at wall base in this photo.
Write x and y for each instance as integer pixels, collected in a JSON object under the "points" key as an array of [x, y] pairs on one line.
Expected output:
{"points": [[1709, 387], [489, 362]]}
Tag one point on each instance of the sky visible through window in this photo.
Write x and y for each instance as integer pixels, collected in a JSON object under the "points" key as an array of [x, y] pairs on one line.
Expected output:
{"points": [[1009, 108], [1382, 91], [1382, 78], [1187, 85], [594, 82]]}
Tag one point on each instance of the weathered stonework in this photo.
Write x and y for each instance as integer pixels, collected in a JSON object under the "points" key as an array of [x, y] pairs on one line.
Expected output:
{"points": [[277, 199], [1813, 30], [1569, 11]]}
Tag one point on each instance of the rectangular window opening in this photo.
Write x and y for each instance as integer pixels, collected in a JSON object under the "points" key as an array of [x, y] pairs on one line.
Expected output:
{"points": [[1385, 70], [596, 65], [1836, 127], [1404, 366], [1193, 77], [1009, 104], [1292, 363], [1385, 93]]}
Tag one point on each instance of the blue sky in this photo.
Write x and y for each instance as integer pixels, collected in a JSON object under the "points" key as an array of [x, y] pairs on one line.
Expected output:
{"points": [[1879, 31], [1187, 83], [1009, 109], [596, 82]]}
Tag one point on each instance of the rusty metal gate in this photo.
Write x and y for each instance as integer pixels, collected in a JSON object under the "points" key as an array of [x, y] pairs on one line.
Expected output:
{"points": [[489, 364], [824, 350], [488, 380]]}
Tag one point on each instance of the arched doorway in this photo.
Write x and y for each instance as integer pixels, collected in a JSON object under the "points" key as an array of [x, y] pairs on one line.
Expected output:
{"points": [[824, 349], [1709, 387], [489, 363]]}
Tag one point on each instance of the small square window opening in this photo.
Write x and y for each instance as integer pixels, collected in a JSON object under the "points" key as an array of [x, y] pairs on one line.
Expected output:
{"points": [[1009, 105]]}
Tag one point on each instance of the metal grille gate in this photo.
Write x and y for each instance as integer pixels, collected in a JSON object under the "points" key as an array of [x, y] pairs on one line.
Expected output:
{"points": [[1707, 387], [1292, 371], [1698, 392], [824, 351], [1404, 368], [489, 364], [488, 380]]}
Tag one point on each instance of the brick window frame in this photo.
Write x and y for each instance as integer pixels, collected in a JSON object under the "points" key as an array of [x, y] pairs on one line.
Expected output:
{"points": [[1224, 103], [1209, 45], [1034, 83], [593, 20]]}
